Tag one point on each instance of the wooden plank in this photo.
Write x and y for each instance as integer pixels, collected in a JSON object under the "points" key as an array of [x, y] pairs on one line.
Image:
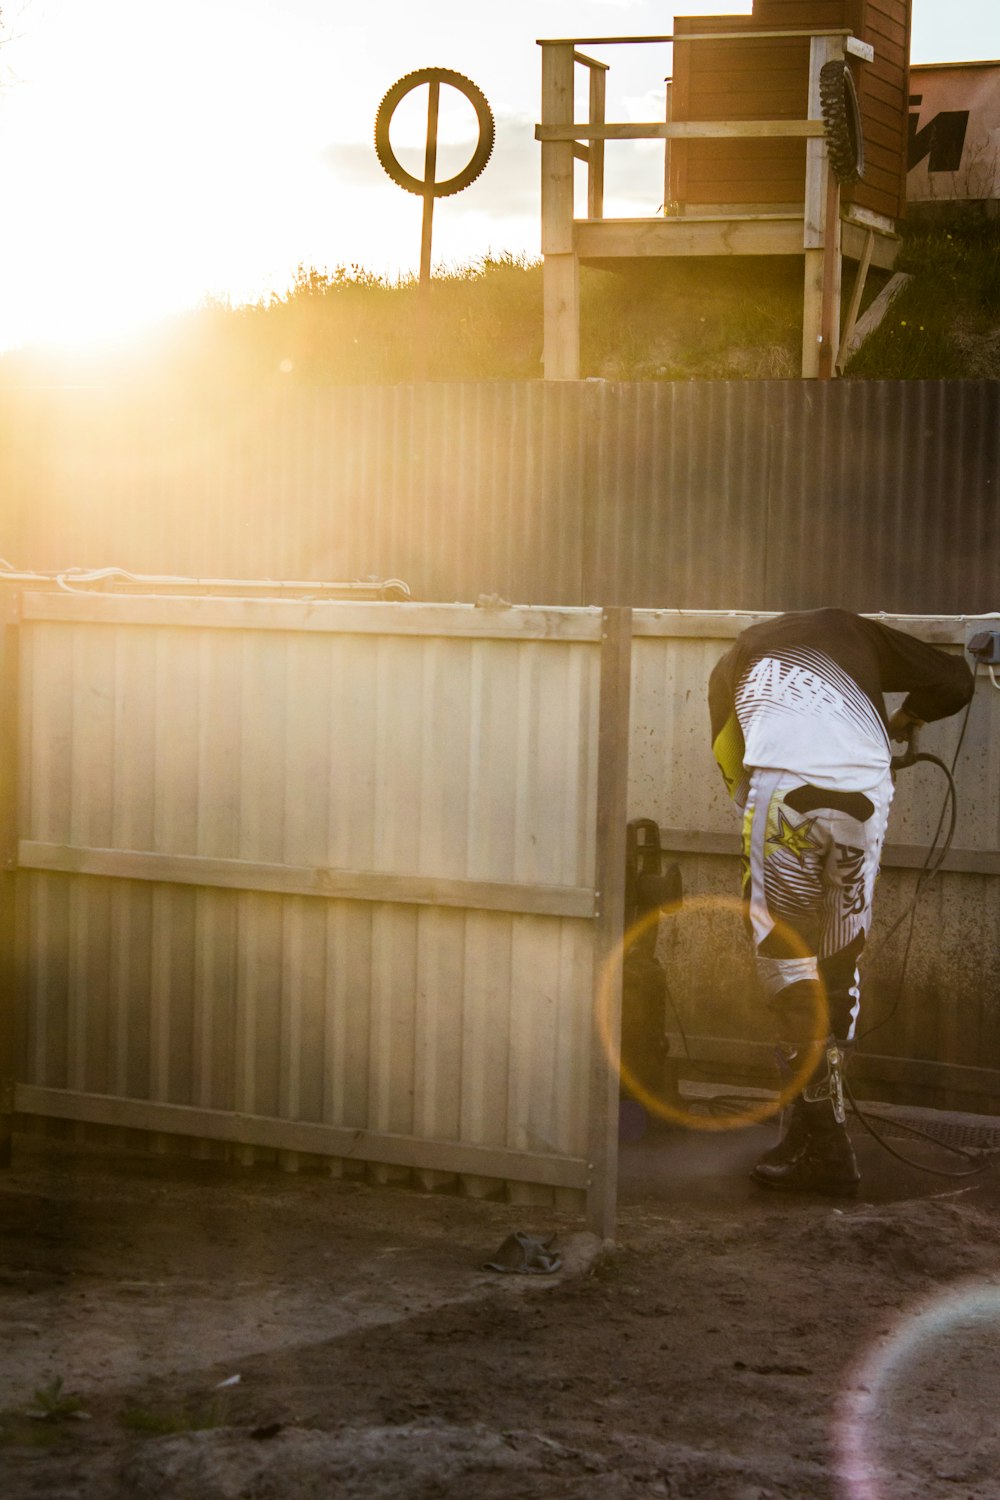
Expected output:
{"points": [[561, 316], [885, 250], [874, 314], [832, 263], [695, 36], [558, 91], [304, 880], [683, 130], [595, 173], [819, 223], [668, 206], [857, 290], [500, 622], [727, 624], [610, 239], [817, 160], [611, 817], [301, 1135]]}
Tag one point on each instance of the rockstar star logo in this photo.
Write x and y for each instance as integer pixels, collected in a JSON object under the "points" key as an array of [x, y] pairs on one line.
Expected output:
{"points": [[795, 837]]}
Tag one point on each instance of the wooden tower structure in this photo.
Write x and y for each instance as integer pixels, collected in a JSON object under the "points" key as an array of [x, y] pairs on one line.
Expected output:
{"points": [[747, 158]]}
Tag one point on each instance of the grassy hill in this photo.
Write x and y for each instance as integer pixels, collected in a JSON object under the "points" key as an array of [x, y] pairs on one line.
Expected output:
{"points": [[665, 320]]}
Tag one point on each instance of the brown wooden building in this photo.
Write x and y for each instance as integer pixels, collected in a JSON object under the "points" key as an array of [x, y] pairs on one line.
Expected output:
{"points": [[768, 78], [754, 164]]}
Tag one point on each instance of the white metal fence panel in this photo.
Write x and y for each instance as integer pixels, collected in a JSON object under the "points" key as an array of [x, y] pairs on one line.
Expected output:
{"points": [[314, 876]]}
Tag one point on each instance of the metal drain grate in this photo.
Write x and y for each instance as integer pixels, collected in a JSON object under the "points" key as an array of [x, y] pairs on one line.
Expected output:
{"points": [[967, 1134], [950, 1128]]}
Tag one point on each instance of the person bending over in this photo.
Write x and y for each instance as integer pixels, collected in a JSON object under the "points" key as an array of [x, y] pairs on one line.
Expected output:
{"points": [[801, 734]]}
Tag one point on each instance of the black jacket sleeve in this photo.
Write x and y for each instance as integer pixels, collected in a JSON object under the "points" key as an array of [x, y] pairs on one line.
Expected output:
{"points": [[936, 684]]}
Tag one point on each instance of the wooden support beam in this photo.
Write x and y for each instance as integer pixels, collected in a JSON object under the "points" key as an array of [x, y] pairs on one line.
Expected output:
{"points": [[857, 291], [785, 34], [668, 205], [314, 1138], [10, 1005], [560, 277], [558, 84], [595, 165], [591, 62], [686, 130], [854, 238], [612, 815], [614, 238], [561, 315], [874, 315], [307, 880], [820, 298], [832, 264], [506, 622]]}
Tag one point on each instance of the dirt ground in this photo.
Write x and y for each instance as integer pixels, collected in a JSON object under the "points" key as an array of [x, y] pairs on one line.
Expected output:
{"points": [[187, 1330]]}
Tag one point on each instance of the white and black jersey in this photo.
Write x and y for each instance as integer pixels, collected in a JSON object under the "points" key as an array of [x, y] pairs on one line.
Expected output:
{"points": [[800, 698], [804, 693]]}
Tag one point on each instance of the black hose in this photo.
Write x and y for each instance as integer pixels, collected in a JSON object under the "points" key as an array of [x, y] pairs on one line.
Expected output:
{"points": [[971, 1171]]}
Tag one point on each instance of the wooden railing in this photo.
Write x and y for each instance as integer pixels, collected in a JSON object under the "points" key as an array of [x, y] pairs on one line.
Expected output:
{"points": [[566, 140]]}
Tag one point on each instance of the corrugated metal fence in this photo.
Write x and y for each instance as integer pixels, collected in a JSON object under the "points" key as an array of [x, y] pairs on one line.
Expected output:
{"points": [[707, 495], [346, 879], [323, 877]]}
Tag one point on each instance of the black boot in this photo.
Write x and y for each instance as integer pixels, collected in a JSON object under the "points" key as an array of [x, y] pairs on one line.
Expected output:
{"points": [[793, 1140], [815, 1154], [824, 1162]]}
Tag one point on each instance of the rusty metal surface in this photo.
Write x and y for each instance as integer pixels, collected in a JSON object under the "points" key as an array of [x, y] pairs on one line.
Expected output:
{"points": [[708, 495]]}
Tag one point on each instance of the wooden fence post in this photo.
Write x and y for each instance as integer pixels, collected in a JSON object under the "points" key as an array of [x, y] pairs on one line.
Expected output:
{"points": [[821, 233], [612, 814], [560, 273], [9, 997]]}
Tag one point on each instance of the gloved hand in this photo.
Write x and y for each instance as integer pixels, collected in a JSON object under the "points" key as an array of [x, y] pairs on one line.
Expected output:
{"points": [[903, 726]]}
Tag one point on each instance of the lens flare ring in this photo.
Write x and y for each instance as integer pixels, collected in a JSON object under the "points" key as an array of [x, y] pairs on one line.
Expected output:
{"points": [[882, 1420], [658, 1104]]}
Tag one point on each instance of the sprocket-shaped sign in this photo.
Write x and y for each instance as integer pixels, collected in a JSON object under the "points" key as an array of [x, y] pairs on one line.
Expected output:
{"points": [[435, 78]]}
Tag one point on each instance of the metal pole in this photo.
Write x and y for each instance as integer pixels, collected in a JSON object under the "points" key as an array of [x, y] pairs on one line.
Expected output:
{"points": [[430, 172], [426, 229]]}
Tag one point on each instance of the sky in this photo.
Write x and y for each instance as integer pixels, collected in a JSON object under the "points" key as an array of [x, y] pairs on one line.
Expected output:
{"points": [[153, 155]]}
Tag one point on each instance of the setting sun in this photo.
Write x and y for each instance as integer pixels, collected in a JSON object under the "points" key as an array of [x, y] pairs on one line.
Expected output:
{"points": [[153, 157]]}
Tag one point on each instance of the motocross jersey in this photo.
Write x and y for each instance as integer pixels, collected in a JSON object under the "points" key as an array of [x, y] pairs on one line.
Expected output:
{"points": [[803, 693]]}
